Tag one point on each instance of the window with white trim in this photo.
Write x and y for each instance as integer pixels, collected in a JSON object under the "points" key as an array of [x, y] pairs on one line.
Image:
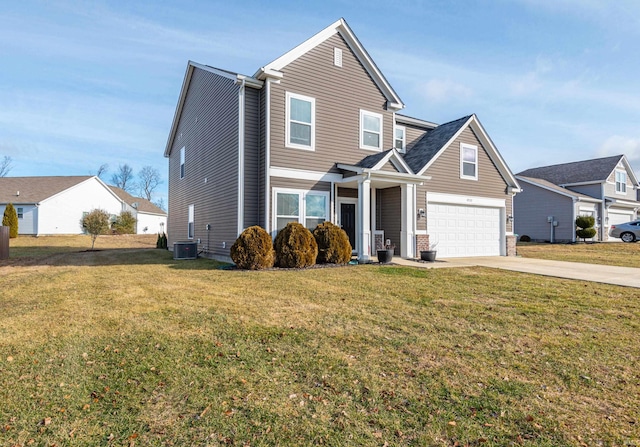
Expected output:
{"points": [[400, 138], [301, 132], [191, 223], [182, 159], [20, 212], [309, 208], [621, 182], [468, 161], [370, 130]]}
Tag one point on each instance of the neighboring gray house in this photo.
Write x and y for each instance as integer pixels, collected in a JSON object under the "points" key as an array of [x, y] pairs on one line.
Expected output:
{"points": [[316, 135], [605, 188]]}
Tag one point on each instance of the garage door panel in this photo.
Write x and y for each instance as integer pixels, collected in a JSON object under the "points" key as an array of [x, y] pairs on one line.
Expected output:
{"points": [[463, 230], [618, 217]]}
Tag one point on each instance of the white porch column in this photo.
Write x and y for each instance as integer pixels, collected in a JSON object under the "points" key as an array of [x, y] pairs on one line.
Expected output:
{"points": [[408, 222], [364, 214]]}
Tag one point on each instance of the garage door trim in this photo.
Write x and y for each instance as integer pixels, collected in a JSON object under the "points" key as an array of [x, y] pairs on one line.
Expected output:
{"points": [[455, 199]]}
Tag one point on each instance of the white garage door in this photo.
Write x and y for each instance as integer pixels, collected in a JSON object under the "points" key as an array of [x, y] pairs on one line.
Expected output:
{"points": [[464, 230], [618, 217]]}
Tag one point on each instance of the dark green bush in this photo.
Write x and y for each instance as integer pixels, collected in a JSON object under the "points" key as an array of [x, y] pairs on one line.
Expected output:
{"points": [[585, 227], [333, 244], [586, 233], [253, 250], [10, 219], [295, 247], [125, 223], [525, 238]]}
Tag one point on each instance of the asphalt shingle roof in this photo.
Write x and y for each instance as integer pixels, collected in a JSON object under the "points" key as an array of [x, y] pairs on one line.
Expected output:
{"points": [[144, 205], [595, 170], [431, 143], [371, 160], [35, 189], [554, 187]]}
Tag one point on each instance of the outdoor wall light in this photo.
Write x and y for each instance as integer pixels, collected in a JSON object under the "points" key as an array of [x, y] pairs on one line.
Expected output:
{"points": [[421, 212], [510, 218]]}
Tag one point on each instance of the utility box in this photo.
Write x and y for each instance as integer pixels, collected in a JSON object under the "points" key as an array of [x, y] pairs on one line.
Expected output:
{"points": [[185, 250], [4, 242]]}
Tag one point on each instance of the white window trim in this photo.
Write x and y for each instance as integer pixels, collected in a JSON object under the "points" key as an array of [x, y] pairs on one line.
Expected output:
{"points": [[464, 146], [302, 211], [287, 141], [404, 138], [190, 222], [616, 182], [364, 113], [182, 161]]}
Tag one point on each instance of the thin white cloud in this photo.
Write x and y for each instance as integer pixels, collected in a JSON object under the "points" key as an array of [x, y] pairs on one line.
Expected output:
{"points": [[617, 144], [444, 90]]}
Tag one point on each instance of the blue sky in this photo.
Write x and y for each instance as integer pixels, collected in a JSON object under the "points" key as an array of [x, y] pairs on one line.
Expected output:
{"points": [[87, 83]]}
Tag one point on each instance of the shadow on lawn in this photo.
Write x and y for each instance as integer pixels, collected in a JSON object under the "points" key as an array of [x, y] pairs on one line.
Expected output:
{"points": [[106, 257]]}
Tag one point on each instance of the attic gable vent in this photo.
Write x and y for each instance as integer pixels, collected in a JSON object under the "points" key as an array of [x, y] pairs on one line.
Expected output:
{"points": [[337, 57]]}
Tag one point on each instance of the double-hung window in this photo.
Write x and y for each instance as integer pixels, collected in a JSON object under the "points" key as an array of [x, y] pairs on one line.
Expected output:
{"points": [[190, 223], [370, 130], [468, 161], [309, 208], [621, 182], [20, 212], [301, 132], [400, 138], [182, 159]]}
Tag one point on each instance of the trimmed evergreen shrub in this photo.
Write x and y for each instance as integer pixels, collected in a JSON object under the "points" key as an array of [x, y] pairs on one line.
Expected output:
{"points": [[159, 241], [333, 244], [163, 241], [125, 223], [525, 238], [585, 226], [10, 219], [295, 247], [253, 250]]}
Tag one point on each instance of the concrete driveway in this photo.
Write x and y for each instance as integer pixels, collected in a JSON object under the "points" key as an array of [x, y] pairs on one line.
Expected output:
{"points": [[621, 276]]}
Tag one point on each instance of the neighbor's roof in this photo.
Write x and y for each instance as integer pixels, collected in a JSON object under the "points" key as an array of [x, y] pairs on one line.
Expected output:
{"points": [[35, 189], [144, 206], [596, 170], [557, 189]]}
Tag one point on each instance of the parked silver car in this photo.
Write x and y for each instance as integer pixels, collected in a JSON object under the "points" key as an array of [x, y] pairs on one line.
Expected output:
{"points": [[628, 232]]}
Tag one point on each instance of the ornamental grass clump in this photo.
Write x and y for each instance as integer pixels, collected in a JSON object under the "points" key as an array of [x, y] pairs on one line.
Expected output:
{"points": [[253, 250], [295, 247], [333, 244]]}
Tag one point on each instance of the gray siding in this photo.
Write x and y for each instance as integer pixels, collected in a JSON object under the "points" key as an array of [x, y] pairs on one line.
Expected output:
{"points": [[534, 204], [594, 190], [28, 223], [413, 134], [208, 129], [388, 212], [340, 93], [252, 165], [445, 177]]}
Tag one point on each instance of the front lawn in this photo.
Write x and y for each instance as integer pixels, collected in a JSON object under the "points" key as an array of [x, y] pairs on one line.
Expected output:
{"points": [[129, 347], [604, 253]]}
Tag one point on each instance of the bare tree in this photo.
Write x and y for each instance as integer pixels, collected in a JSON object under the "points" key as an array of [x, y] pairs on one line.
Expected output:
{"points": [[102, 170], [160, 204], [149, 179], [5, 166], [124, 178]]}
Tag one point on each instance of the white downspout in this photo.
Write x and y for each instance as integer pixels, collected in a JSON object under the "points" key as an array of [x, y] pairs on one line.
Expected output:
{"points": [[267, 156], [575, 200], [241, 125]]}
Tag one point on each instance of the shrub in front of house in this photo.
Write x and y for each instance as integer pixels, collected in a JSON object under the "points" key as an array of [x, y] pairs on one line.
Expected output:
{"points": [[585, 226], [125, 223], [525, 238], [10, 219], [295, 247], [253, 250], [333, 244]]}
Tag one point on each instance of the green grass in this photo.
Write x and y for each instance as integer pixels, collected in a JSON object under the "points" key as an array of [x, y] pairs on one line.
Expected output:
{"points": [[133, 348], [610, 253]]}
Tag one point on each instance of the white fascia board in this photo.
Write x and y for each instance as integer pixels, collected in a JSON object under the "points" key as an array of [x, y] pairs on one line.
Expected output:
{"points": [[596, 182], [566, 193], [396, 159], [629, 169], [445, 146], [176, 116], [624, 203], [249, 81], [104, 185], [301, 174], [403, 119], [455, 199]]}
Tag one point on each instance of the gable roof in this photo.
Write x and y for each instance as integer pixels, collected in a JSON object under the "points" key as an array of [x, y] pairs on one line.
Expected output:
{"points": [[341, 27], [143, 205], [36, 189], [557, 189], [596, 170]]}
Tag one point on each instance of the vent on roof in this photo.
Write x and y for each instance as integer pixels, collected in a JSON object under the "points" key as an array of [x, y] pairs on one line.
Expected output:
{"points": [[337, 57]]}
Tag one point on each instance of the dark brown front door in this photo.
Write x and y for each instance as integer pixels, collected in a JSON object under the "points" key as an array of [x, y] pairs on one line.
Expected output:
{"points": [[348, 221]]}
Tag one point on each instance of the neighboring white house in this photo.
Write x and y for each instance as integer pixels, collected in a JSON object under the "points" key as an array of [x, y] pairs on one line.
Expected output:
{"points": [[56, 205], [150, 218]]}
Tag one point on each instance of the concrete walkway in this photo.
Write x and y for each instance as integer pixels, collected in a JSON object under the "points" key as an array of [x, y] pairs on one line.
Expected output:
{"points": [[621, 276]]}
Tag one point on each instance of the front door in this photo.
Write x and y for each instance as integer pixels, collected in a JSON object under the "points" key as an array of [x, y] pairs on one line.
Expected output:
{"points": [[348, 221]]}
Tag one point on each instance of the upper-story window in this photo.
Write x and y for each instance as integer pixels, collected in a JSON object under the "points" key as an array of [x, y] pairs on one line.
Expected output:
{"points": [[468, 161], [301, 111], [400, 138], [190, 222], [370, 130], [621, 182], [182, 158]]}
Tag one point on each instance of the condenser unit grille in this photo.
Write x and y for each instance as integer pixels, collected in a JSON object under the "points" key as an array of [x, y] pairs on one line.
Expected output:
{"points": [[185, 250]]}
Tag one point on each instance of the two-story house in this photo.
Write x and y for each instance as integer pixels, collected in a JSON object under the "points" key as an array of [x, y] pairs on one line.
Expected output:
{"points": [[317, 135], [553, 196]]}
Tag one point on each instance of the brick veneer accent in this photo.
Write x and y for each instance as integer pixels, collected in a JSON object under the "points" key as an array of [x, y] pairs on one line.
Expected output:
{"points": [[511, 245], [422, 242]]}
